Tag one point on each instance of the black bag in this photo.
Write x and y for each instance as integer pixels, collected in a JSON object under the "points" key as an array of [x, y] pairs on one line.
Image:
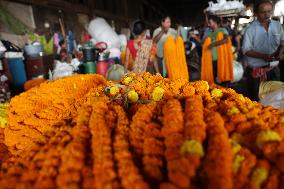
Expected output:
{"points": [[11, 47]]}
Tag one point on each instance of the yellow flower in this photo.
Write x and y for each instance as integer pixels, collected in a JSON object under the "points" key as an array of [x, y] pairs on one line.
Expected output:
{"points": [[237, 138], [235, 147], [132, 96], [114, 91], [237, 163], [192, 147], [127, 80], [267, 136], [259, 175], [282, 119], [216, 93], [234, 110], [158, 93]]}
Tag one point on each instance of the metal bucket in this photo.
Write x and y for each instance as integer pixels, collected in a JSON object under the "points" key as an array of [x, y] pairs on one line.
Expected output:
{"points": [[89, 67]]}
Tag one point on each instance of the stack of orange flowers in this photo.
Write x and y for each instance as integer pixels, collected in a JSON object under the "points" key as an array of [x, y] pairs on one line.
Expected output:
{"points": [[84, 132]]}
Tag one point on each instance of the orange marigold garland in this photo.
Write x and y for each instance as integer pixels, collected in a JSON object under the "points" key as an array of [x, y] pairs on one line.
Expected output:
{"points": [[172, 131], [147, 144], [194, 133], [74, 154], [47, 175], [45, 106], [245, 161], [103, 164], [219, 158], [128, 172], [153, 151], [260, 174], [137, 127], [273, 181]]}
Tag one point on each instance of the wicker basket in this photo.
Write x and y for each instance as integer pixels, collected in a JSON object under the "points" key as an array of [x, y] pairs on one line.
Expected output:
{"points": [[268, 87]]}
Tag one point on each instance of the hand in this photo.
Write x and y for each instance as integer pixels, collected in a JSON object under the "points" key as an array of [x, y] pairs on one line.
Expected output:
{"points": [[210, 46], [268, 57]]}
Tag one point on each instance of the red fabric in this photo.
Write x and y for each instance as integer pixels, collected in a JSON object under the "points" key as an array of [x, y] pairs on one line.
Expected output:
{"points": [[132, 49], [261, 73]]}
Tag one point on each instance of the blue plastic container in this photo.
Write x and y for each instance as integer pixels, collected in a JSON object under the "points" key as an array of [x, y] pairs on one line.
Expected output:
{"points": [[18, 72]]}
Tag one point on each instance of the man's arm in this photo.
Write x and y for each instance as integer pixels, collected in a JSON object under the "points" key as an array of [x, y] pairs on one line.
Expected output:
{"points": [[259, 55], [218, 43], [280, 50], [247, 48]]}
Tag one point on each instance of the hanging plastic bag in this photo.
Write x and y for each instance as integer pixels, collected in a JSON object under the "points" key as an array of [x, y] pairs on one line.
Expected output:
{"points": [[115, 72], [274, 99], [100, 30], [62, 69], [238, 71]]}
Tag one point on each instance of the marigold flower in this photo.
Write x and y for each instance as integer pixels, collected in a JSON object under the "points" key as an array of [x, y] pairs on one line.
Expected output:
{"points": [[267, 136], [158, 93], [132, 96]]}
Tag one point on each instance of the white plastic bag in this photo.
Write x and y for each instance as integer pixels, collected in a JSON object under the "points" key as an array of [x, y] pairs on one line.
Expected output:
{"points": [[223, 5], [100, 30], [238, 71], [114, 53], [75, 63], [62, 69], [123, 40], [274, 99], [2, 48]]}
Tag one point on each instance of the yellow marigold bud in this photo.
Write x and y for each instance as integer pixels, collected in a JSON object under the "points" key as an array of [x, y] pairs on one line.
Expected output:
{"points": [[134, 74], [3, 122], [235, 147], [237, 138], [232, 111], [192, 147], [282, 119], [237, 163], [127, 80], [259, 175], [132, 96], [158, 93], [216, 93], [114, 91], [267, 136]]}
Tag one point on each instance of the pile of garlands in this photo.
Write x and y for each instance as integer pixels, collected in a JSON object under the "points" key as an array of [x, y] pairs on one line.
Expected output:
{"points": [[144, 132]]}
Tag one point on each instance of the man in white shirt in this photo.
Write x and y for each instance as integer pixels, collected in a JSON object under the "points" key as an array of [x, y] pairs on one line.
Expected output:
{"points": [[159, 37], [263, 39]]}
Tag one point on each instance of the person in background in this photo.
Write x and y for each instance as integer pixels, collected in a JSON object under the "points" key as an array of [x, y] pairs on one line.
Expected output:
{"points": [[217, 49], [182, 32], [226, 23], [206, 30], [159, 37], [281, 64], [263, 39], [141, 50], [61, 46], [194, 37]]}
